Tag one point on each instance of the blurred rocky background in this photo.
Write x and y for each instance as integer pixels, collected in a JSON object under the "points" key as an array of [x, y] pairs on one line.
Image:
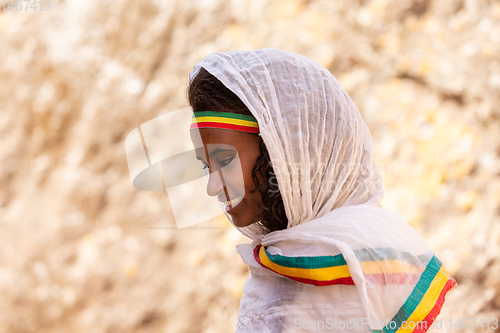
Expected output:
{"points": [[79, 250]]}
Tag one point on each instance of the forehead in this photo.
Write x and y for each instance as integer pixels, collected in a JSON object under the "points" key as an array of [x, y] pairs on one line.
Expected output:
{"points": [[212, 138], [203, 136]]}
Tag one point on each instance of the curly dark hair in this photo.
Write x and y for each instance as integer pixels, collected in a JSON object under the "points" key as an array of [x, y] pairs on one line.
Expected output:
{"points": [[205, 93]]}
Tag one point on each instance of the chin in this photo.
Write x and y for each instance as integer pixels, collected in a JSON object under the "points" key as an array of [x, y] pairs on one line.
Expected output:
{"points": [[237, 224], [240, 224]]}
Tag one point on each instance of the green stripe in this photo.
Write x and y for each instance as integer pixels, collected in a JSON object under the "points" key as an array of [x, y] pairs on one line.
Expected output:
{"points": [[307, 262], [379, 254], [389, 253], [417, 294], [223, 114]]}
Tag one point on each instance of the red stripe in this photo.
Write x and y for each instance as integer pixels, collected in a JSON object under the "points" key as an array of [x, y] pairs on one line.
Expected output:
{"points": [[431, 316], [392, 278], [344, 280], [226, 126]]}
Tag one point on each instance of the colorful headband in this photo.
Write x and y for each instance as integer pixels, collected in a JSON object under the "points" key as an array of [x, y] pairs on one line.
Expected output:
{"points": [[227, 120]]}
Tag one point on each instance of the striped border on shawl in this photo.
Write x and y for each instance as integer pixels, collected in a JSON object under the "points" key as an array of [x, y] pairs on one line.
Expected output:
{"points": [[424, 303], [319, 271], [381, 266]]}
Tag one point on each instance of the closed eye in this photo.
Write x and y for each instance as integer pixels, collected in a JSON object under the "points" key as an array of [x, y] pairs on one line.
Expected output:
{"points": [[222, 163], [226, 161]]}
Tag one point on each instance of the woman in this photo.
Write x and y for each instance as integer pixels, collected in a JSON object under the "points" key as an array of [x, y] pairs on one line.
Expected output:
{"points": [[325, 255]]}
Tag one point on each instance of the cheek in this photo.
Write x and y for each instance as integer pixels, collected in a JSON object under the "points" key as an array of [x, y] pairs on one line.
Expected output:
{"points": [[250, 185], [234, 180], [248, 162]]}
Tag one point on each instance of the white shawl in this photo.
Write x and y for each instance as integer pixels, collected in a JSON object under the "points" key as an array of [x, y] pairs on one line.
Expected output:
{"points": [[344, 263]]}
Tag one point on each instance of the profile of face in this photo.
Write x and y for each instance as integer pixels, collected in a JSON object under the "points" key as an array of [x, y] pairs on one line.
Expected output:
{"points": [[217, 149]]}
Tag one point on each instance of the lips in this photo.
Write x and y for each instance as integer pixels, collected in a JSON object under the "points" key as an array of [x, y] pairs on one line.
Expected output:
{"points": [[232, 203]]}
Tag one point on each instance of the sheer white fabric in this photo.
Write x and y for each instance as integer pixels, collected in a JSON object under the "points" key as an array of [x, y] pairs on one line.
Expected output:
{"points": [[321, 152]]}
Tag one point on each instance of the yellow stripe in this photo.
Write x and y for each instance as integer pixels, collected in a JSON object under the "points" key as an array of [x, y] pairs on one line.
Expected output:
{"points": [[318, 274], [428, 301], [330, 273], [389, 266], [225, 121]]}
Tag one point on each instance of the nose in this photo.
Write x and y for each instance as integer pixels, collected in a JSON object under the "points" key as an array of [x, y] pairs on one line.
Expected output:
{"points": [[214, 186]]}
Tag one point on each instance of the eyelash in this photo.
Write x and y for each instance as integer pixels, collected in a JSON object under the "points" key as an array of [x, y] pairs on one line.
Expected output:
{"points": [[227, 161], [223, 164]]}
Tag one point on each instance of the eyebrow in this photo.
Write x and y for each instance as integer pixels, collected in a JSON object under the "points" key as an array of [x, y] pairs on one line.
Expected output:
{"points": [[218, 150]]}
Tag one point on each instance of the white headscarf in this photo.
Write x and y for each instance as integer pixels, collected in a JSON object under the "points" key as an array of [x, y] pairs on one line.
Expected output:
{"points": [[321, 152]]}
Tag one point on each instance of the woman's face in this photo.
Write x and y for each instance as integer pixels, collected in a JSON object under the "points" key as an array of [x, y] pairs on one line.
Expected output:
{"points": [[218, 148]]}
